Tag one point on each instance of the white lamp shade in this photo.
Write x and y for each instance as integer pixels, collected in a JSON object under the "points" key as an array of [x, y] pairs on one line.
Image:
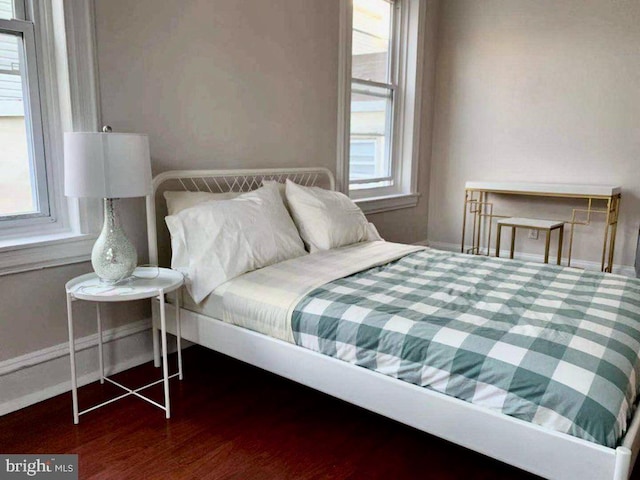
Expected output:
{"points": [[106, 165]]}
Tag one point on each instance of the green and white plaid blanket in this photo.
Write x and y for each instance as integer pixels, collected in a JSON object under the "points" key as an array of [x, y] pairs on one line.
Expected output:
{"points": [[554, 346]]}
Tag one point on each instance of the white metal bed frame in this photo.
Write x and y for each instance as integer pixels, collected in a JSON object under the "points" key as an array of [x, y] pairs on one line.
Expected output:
{"points": [[530, 447]]}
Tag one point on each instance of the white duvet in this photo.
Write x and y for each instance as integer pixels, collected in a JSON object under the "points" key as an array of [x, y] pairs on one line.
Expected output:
{"points": [[263, 300]]}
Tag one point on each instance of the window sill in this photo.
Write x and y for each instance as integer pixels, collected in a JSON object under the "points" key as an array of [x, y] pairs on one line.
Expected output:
{"points": [[36, 252], [387, 203]]}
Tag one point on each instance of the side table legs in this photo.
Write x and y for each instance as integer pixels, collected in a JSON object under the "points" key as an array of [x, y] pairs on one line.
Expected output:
{"points": [[100, 350], [72, 356], [155, 334], [178, 334], [165, 367]]}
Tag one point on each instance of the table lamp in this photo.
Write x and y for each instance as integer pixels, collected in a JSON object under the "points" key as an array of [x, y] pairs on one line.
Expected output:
{"points": [[109, 166]]}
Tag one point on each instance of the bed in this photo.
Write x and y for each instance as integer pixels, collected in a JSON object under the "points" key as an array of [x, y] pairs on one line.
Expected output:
{"points": [[269, 345]]}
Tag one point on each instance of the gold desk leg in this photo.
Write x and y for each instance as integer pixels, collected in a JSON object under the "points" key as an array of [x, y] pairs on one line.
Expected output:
{"points": [[573, 226], [614, 229], [513, 242], [464, 219], [479, 222], [547, 243], [612, 243], [560, 241], [606, 233], [489, 236], [475, 226]]}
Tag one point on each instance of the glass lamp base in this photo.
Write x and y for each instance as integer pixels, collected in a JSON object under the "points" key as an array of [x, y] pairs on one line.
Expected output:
{"points": [[113, 256]]}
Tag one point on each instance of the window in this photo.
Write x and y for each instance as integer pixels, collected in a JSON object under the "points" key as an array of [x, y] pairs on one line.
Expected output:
{"points": [[380, 60], [23, 179], [44, 91], [372, 92]]}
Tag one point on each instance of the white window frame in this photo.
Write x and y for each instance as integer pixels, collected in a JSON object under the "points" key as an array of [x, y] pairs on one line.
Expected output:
{"points": [[68, 93], [405, 140], [24, 29]]}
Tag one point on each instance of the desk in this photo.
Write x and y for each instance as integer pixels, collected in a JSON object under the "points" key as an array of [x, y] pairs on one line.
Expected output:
{"points": [[480, 208]]}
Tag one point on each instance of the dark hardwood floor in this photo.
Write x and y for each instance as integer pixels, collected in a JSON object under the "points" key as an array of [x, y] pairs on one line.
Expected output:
{"points": [[233, 421]]}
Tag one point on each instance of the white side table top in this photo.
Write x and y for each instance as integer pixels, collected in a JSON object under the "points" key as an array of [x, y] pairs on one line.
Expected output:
{"points": [[146, 282]]}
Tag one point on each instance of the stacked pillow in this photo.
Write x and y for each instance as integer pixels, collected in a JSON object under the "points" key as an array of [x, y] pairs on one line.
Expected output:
{"points": [[327, 219], [217, 240], [217, 236], [178, 201]]}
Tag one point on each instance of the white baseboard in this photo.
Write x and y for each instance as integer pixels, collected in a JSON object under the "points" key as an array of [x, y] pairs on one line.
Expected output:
{"points": [[45, 373], [626, 270]]}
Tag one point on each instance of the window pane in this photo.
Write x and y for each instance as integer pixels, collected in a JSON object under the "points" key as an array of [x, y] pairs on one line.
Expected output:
{"points": [[371, 39], [363, 159], [6, 9], [370, 127], [17, 189]]}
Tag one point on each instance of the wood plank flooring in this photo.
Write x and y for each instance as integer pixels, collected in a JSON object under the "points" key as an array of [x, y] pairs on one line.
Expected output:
{"points": [[233, 421]]}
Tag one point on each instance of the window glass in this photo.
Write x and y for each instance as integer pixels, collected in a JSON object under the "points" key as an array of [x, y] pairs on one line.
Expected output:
{"points": [[363, 158], [17, 182], [371, 40], [6, 9], [371, 122]]}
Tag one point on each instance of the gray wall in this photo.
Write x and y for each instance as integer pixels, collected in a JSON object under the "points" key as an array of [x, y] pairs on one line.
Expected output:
{"points": [[543, 91], [242, 84], [215, 84], [33, 309], [219, 84]]}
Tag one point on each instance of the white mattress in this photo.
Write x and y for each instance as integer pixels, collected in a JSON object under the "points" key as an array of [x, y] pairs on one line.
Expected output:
{"points": [[264, 299], [210, 306]]}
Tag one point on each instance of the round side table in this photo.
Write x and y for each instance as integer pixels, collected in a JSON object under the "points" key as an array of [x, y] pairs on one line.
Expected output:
{"points": [[147, 282]]}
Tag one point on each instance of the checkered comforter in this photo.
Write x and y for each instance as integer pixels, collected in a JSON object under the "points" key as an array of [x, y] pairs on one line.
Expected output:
{"points": [[554, 346]]}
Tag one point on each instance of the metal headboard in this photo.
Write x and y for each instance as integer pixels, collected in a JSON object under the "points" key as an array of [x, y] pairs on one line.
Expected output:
{"points": [[215, 181]]}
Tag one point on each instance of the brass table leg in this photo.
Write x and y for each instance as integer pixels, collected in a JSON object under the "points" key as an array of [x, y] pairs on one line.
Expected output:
{"points": [[513, 241], [560, 241], [464, 220], [547, 242]]}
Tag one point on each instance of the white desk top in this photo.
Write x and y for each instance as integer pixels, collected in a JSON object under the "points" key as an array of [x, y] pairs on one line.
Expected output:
{"points": [[546, 188]]}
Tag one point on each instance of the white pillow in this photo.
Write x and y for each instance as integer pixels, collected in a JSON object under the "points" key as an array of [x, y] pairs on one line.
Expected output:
{"points": [[178, 201], [226, 238], [181, 200], [327, 219], [281, 188]]}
